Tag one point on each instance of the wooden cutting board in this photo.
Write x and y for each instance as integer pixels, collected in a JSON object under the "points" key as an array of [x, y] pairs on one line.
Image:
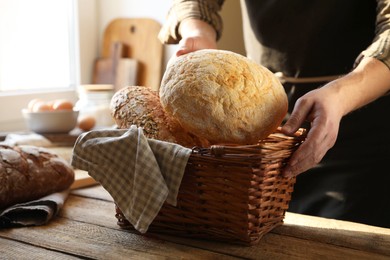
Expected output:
{"points": [[115, 70], [82, 178], [139, 35]]}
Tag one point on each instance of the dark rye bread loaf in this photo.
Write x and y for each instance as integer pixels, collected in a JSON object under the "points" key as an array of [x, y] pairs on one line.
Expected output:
{"points": [[140, 106], [28, 173]]}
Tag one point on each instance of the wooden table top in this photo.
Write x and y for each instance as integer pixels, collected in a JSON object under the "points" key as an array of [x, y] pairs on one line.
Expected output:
{"points": [[86, 228]]}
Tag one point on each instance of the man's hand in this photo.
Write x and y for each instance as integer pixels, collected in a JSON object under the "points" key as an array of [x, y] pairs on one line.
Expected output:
{"points": [[196, 35], [324, 108]]}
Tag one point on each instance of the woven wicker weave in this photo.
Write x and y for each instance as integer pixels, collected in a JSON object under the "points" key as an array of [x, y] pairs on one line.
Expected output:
{"points": [[230, 193]]}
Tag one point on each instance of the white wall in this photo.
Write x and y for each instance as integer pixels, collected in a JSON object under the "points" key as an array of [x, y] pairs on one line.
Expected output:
{"points": [[89, 38], [232, 36]]}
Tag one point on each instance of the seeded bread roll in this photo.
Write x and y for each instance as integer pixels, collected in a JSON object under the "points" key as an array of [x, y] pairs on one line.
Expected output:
{"points": [[140, 106], [28, 173], [223, 96]]}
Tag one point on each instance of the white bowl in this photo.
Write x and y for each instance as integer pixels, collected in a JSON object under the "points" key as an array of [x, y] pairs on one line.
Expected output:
{"points": [[60, 121]]}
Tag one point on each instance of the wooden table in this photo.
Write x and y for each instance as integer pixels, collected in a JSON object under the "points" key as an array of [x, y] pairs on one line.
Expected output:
{"points": [[86, 228]]}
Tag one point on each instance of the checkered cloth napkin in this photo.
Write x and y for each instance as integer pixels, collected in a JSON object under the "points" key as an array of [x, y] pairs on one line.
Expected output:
{"points": [[139, 173]]}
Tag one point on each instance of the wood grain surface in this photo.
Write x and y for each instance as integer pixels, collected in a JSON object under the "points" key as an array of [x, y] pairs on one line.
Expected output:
{"points": [[86, 228]]}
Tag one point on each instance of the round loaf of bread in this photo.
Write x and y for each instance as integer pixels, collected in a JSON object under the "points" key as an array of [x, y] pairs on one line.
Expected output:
{"points": [[140, 106], [29, 172], [223, 96]]}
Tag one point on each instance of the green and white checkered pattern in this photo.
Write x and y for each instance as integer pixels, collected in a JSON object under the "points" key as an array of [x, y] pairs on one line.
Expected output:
{"points": [[139, 173]]}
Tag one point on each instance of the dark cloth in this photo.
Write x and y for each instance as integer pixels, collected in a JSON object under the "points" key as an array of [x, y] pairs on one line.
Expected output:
{"points": [[298, 39], [305, 38]]}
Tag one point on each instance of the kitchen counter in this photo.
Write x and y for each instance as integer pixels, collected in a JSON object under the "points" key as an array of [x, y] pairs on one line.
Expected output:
{"points": [[86, 228]]}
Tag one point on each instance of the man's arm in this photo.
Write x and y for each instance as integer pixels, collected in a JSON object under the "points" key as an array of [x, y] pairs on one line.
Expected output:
{"points": [[196, 35], [324, 108]]}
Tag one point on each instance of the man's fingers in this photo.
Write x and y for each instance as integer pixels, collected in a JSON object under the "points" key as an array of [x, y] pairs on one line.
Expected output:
{"points": [[304, 158], [311, 152], [182, 51], [185, 46], [300, 113]]}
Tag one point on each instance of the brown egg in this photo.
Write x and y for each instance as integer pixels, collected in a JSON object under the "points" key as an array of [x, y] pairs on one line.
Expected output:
{"points": [[62, 104], [41, 106], [86, 122], [32, 102], [50, 103]]}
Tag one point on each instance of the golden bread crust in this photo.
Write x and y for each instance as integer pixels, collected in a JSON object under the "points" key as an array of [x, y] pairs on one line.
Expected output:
{"points": [[223, 96]]}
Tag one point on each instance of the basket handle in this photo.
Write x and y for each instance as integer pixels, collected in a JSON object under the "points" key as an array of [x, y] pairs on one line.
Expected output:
{"points": [[219, 150], [223, 149], [216, 150]]}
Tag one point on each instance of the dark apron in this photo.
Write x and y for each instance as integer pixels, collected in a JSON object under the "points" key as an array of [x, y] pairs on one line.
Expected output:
{"points": [[319, 38]]}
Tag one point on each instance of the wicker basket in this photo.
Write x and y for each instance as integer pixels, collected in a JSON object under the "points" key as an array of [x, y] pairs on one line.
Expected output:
{"points": [[230, 193]]}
